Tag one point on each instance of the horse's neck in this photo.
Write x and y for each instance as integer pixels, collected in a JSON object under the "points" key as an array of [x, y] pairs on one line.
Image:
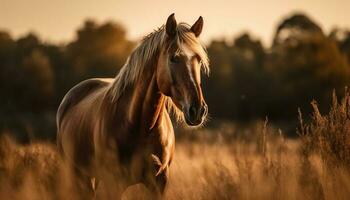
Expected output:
{"points": [[153, 104], [145, 103]]}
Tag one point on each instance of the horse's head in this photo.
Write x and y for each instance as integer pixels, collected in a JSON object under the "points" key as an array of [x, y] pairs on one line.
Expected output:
{"points": [[179, 69]]}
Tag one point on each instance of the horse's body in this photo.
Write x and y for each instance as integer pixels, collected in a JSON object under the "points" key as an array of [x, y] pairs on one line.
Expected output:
{"points": [[121, 127]]}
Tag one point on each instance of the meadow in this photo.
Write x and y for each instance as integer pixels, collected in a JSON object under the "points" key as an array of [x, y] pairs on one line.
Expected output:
{"points": [[256, 145], [227, 162]]}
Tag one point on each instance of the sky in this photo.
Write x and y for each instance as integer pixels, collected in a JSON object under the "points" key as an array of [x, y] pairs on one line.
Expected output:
{"points": [[57, 20]]}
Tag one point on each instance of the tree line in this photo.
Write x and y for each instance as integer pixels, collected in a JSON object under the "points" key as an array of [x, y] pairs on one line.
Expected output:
{"points": [[248, 81]]}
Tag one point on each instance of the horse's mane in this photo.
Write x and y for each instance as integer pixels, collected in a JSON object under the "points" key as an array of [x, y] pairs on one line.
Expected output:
{"points": [[148, 49]]}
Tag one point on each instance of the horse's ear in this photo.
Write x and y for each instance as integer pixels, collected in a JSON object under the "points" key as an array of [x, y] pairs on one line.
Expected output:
{"points": [[197, 26], [171, 25]]}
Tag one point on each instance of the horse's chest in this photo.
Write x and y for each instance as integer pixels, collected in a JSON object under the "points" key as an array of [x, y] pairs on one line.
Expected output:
{"points": [[135, 149], [129, 148], [138, 147]]}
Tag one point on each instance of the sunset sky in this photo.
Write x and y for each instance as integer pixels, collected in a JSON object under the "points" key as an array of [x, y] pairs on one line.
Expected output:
{"points": [[57, 20]]}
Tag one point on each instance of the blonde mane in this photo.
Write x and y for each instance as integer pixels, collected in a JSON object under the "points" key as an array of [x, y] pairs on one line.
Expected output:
{"points": [[149, 47]]}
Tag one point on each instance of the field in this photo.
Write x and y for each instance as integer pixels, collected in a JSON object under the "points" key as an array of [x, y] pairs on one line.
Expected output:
{"points": [[227, 162], [265, 136]]}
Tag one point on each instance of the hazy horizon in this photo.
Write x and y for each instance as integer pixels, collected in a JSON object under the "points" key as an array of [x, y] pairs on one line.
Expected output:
{"points": [[58, 21]]}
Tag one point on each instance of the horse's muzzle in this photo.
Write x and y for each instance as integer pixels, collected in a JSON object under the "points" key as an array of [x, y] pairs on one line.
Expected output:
{"points": [[195, 115]]}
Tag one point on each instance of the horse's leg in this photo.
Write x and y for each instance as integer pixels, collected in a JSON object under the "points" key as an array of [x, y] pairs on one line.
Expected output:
{"points": [[110, 192], [110, 186], [83, 185], [157, 184], [95, 186]]}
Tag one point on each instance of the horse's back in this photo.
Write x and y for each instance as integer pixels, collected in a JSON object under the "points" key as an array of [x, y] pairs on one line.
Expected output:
{"points": [[77, 94]]}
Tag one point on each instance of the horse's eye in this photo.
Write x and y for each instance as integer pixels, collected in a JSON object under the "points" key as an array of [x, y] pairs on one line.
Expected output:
{"points": [[174, 59]]}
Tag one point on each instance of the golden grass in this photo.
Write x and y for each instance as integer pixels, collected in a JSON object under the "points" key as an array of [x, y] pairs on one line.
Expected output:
{"points": [[221, 163]]}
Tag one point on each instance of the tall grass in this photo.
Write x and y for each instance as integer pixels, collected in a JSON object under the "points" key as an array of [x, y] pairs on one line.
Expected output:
{"points": [[327, 138], [227, 162], [329, 135]]}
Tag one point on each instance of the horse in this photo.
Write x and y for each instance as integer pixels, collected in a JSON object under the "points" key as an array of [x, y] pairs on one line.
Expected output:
{"points": [[127, 119]]}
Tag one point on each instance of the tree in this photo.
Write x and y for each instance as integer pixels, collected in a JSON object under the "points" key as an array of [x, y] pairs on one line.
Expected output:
{"points": [[342, 38], [306, 65], [99, 50], [236, 76]]}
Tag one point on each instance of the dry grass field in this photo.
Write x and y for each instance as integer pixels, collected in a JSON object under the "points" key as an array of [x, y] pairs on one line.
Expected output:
{"points": [[222, 163]]}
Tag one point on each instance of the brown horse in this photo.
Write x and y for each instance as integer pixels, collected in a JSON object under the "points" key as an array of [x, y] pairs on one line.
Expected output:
{"points": [[126, 119]]}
